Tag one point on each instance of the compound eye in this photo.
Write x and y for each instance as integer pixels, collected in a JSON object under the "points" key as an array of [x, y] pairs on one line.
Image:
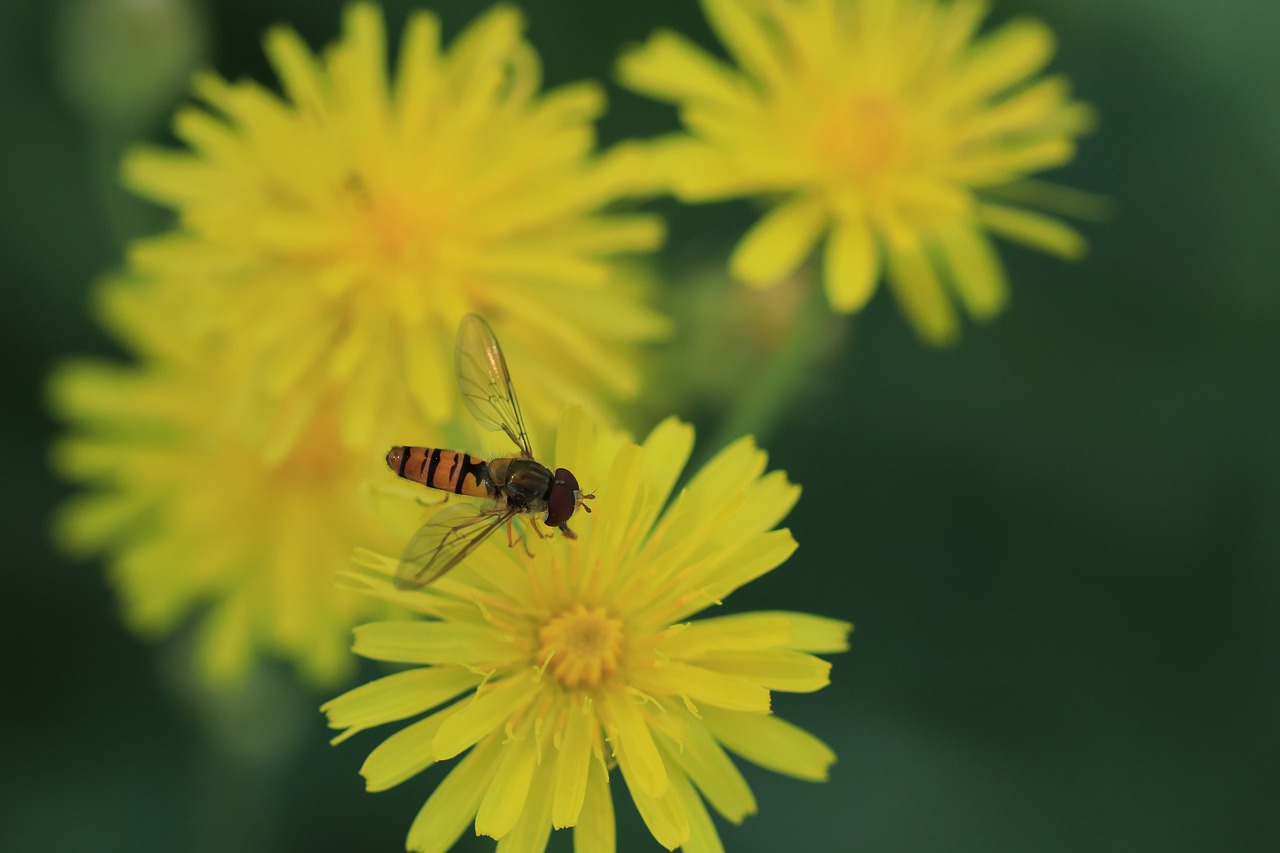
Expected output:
{"points": [[563, 499]]}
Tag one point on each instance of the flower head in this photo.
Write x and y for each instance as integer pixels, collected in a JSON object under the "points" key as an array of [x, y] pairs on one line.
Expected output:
{"points": [[553, 670], [341, 230], [886, 126], [196, 521]]}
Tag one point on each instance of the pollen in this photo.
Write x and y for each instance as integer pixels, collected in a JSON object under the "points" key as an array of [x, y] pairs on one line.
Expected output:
{"points": [[584, 645]]}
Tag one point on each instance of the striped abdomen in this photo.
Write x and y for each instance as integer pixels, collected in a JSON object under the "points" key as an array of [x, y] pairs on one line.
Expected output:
{"points": [[447, 470]]}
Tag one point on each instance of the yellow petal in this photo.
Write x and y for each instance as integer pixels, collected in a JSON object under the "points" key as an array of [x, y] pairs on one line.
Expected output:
{"points": [[595, 831], [704, 685], [431, 642], [372, 382], [482, 48], [1003, 163], [416, 67], [634, 746], [625, 495], [285, 368], [490, 708], [225, 650], [88, 523], [664, 815], [703, 837], [427, 357], [300, 76], [572, 768], [506, 797], [957, 24], [976, 272], [1027, 111], [739, 632], [768, 501], [772, 743], [671, 67], [775, 669], [533, 830], [90, 389], [1033, 229], [852, 264], [666, 451], [754, 558], [920, 295], [695, 170], [454, 802], [777, 244], [815, 634], [404, 754], [746, 37], [1053, 198], [165, 176], [709, 767], [616, 319], [733, 469], [575, 439], [689, 541], [547, 265], [208, 136], [1013, 53], [630, 233], [396, 697], [358, 68]]}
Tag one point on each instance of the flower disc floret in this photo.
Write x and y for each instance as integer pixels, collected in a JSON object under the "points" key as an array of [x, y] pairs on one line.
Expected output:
{"points": [[581, 646]]}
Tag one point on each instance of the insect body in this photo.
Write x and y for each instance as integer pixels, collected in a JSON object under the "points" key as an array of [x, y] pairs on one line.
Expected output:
{"points": [[515, 485]]}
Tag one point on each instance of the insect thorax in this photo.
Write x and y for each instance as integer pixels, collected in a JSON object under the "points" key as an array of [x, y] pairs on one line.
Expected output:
{"points": [[523, 483]]}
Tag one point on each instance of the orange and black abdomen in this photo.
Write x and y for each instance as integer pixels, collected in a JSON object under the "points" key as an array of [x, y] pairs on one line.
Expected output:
{"points": [[447, 470]]}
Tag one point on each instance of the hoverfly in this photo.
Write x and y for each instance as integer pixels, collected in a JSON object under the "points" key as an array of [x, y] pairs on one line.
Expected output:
{"points": [[516, 485]]}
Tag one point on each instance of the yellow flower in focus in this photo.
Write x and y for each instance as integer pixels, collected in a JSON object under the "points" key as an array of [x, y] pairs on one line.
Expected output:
{"points": [[197, 524], [339, 232], [553, 670], [887, 128]]}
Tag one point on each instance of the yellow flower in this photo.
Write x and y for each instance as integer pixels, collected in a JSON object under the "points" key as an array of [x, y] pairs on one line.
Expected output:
{"points": [[555, 669], [196, 521], [887, 128], [339, 232]]}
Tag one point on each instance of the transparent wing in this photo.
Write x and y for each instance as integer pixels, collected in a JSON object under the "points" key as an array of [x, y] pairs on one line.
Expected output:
{"points": [[485, 382], [445, 541]]}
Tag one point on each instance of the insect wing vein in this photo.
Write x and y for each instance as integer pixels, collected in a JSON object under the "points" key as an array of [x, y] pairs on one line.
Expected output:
{"points": [[485, 382], [445, 540]]}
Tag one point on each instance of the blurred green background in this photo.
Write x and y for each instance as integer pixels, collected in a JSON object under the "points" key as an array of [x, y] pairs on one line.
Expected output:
{"points": [[1060, 540]]}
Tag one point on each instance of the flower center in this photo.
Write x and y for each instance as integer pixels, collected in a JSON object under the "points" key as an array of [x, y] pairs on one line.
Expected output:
{"points": [[394, 225], [861, 136], [583, 646]]}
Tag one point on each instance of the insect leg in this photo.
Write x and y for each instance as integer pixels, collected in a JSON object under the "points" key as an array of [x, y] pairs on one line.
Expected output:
{"points": [[512, 535]]}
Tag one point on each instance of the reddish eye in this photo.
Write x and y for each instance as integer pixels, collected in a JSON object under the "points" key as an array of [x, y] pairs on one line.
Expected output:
{"points": [[563, 499]]}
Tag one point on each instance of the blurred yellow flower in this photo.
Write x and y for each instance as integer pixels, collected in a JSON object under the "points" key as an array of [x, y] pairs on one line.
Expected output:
{"points": [[301, 319], [340, 232], [195, 521], [887, 127], [559, 667]]}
